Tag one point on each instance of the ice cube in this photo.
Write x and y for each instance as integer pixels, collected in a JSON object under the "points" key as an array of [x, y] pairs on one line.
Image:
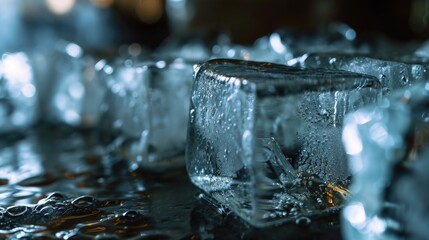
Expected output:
{"points": [[387, 147], [18, 93], [76, 91], [148, 107], [264, 139], [393, 73]]}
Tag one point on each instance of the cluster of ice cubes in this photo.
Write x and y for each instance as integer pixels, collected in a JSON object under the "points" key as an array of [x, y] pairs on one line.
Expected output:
{"points": [[277, 133], [136, 104]]}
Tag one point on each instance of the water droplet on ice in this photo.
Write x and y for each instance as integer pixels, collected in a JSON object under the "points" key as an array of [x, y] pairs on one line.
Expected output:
{"points": [[47, 211]]}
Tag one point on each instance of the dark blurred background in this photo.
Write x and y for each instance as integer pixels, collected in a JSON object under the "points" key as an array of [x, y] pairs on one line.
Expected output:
{"points": [[102, 24]]}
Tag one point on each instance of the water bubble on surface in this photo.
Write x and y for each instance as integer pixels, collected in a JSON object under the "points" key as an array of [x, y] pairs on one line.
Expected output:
{"points": [[83, 202], [16, 211], [303, 221], [56, 196]]}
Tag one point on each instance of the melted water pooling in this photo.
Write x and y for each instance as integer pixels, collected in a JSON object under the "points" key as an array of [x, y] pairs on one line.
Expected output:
{"points": [[59, 184]]}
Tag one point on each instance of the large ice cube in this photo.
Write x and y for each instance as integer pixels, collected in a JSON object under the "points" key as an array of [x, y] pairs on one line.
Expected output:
{"points": [[393, 73], [387, 147], [18, 93], [76, 92], [148, 107], [265, 139]]}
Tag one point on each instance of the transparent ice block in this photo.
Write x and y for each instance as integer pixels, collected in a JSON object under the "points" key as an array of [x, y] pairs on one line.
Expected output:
{"points": [[18, 93], [393, 73], [388, 150], [265, 139], [147, 111], [76, 92]]}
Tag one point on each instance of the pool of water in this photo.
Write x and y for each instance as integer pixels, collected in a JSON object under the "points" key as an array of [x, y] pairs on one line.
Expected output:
{"points": [[59, 184]]}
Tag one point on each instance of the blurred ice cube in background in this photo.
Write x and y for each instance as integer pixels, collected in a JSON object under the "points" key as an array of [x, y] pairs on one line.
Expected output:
{"points": [[18, 94], [387, 148]]}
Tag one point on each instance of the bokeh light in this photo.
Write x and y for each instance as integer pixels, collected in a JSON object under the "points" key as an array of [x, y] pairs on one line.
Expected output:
{"points": [[60, 6]]}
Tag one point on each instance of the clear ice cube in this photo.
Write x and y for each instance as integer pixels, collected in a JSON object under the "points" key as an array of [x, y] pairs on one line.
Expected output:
{"points": [[265, 139], [18, 93], [393, 73], [76, 91], [147, 111], [387, 147]]}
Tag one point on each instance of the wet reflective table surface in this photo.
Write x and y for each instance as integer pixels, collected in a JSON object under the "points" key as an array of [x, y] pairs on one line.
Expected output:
{"points": [[59, 184]]}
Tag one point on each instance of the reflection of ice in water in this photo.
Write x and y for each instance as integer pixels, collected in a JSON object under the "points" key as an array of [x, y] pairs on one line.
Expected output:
{"points": [[387, 147], [272, 133], [19, 162]]}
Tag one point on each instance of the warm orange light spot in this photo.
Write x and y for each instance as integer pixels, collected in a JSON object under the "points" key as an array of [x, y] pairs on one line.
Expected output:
{"points": [[149, 11]]}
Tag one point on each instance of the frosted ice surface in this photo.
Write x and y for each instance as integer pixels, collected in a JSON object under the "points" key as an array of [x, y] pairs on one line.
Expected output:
{"points": [[387, 148], [147, 110], [393, 73], [265, 139], [18, 93], [76, 92]]}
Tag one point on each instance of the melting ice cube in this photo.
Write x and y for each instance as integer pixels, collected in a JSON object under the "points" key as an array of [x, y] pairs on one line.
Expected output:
{"points": [[265, 139], [387, 147], [147, 113]]}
